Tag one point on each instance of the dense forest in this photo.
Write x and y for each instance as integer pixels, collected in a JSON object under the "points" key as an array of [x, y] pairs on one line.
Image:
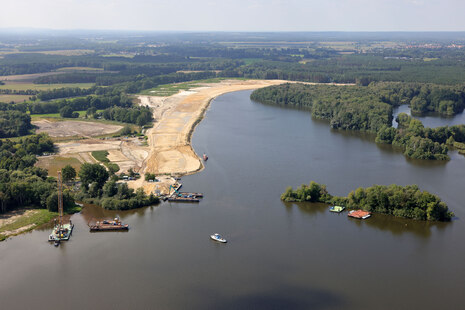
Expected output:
{"points": [[402, 201], [369, 108], [14, 124], [22, 184]]}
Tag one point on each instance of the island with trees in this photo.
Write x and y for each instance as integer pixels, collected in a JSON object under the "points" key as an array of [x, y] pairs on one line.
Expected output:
{"points": [[401, 201]]}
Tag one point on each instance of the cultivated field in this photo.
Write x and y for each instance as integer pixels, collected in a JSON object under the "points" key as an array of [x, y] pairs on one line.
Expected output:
{"points": [[79, 69], [26, 86], [25, 78], [14, 98]]}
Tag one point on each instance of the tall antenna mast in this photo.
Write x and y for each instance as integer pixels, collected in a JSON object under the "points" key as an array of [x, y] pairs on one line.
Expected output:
{"points": [[60, 199]]}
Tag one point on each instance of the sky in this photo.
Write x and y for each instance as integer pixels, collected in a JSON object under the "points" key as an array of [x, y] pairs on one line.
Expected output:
{"points": [[236, 15]]}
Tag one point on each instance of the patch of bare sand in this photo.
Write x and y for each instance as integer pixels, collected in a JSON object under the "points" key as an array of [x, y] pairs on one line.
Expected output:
{"points": [[13, 216], [126, 153], [75, 128], [88, 145]]}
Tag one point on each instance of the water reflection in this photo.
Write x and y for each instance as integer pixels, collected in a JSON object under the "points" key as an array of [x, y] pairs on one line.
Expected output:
{"points": [[431, 120], [95, 213], [283, 297], [399, 226], [382, 222]]}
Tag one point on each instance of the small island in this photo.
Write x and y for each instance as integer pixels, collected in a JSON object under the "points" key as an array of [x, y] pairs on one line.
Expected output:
{"points": [[401, 201]]}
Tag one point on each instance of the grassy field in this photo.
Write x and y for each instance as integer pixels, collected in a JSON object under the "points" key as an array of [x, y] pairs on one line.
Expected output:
{"points": [[14, 98], [56, 163], [171, 89], [37, 218], [36, 117], [26, 86], [101, 156]]}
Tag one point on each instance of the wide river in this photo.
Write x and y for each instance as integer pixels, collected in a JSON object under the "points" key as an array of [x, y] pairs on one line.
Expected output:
{"points": [[278, 256]]}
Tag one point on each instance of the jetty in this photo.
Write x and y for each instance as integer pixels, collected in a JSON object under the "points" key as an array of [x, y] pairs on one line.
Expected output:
{"points": [[177, 196]]}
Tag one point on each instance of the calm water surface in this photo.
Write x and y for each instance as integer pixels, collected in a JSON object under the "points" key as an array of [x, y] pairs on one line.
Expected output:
{"points": [[430, 120], [279, 256]]}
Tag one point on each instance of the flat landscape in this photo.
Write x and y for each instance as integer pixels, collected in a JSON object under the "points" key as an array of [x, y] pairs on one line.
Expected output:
{"points": [[75, 128], [25, 86], [334, 160]]}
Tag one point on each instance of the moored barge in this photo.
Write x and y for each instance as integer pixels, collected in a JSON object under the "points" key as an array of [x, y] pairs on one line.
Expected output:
{"points": [[106, 225]]}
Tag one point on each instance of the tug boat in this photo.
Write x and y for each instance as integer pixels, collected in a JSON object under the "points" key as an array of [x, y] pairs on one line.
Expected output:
{"points": [[217, 237]]}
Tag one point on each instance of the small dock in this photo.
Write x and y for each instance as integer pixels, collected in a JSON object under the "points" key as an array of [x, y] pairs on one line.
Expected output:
{"points": [[177, 196]]}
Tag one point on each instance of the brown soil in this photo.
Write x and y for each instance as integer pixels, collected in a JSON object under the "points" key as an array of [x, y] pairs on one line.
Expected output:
{"points": [[75, 128]]}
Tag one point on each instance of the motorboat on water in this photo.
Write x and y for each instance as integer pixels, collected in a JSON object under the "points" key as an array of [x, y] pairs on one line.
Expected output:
{"points": [[205, 157], [217, 237], [336, 209]]}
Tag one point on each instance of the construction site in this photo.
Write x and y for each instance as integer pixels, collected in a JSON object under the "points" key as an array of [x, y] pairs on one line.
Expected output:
{"points": [[166, 151]]}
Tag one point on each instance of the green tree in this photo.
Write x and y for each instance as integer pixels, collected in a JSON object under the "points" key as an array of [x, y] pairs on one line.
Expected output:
{"points": [[68, 173], [68, 201], [90, 173], [126, 130], [66, 112]]}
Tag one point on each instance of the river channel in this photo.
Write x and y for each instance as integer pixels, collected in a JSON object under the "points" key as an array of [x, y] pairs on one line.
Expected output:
{"points": [[278, 256]]}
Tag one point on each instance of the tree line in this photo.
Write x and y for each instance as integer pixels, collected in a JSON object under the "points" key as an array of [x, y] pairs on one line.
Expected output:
{"points": [[139, 115]]}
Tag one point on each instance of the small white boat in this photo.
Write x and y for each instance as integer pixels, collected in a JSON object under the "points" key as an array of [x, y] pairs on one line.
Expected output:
{"points": [[217, 237]]}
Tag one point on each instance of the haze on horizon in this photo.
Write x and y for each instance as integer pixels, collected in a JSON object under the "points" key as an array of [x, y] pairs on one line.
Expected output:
{"points": [[236, 15]]}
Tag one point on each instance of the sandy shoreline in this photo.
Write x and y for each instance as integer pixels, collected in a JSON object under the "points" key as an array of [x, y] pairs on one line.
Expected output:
{"points": [[176, 117]]}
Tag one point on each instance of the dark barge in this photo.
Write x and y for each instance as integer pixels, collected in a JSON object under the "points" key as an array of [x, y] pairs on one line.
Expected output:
{"points": [[106, 225]]}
